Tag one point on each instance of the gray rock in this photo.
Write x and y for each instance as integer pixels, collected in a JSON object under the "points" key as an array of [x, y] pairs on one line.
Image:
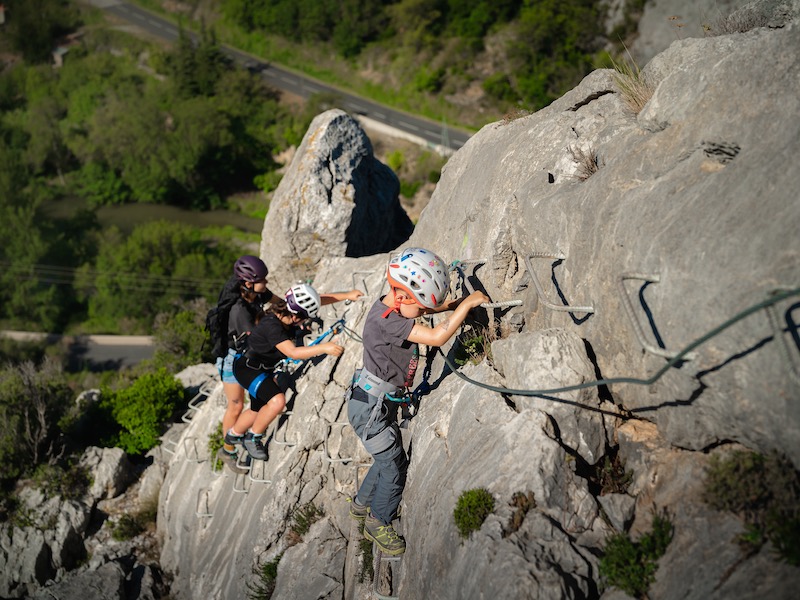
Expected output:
{"points": [[551, 359], [111, 470], [336, 199], [619, 508], [104, 583], [313, 569]]}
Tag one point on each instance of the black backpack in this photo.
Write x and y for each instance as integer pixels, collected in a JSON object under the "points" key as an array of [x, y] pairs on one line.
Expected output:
{"points": [[217, 317]]}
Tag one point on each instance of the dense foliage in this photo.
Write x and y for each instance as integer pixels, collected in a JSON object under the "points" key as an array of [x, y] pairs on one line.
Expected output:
{"points": [[548, 47], [139, 411], [120, 122], [765, 492]]}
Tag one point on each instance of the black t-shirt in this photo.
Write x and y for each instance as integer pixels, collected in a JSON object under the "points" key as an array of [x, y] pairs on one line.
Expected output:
{"points": [[267, 334]]}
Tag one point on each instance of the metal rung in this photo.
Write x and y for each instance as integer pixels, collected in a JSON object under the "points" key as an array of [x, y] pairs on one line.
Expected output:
{"points": [[358, 466], [284, 441], [240, 480], [540, 291], [363, 280], [637, 327], [394, 573], [326, 452], [169, 446], [201, 396], [258, 472], [190, 450], [203, 506], [188, 415], [503, 304]]}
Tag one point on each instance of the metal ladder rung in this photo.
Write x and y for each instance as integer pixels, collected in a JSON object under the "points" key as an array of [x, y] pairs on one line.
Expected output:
{"points": [[326, 451], [169, 446], [363, 279], [395, 572], [258, 472], [358, 466], [243, 461], [203, 506], [540, 291], [284, 441], [190, 450], [637, 327]]}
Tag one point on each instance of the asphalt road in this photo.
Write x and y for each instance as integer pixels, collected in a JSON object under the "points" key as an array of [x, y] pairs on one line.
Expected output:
{"points": [[428, 132], [95, 352]]}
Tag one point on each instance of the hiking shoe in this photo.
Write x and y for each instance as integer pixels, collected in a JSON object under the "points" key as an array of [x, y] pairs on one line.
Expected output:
{"points": [[233, 439], [254, 445], [384, 536], [358, 512], [230, 460]]}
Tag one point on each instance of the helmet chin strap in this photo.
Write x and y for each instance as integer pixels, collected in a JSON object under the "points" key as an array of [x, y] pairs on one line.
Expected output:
{"points": [[398, 302]]}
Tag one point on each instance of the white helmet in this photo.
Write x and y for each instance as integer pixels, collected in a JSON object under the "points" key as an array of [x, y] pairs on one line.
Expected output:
{"points": [[422, 274], [303, 300]]}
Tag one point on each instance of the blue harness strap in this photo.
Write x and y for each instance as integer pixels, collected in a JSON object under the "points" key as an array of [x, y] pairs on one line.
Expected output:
{"points": [[252, 389]]}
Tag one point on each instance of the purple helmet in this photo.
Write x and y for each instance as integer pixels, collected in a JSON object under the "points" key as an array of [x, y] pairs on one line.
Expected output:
{"points": [[250, 268]]}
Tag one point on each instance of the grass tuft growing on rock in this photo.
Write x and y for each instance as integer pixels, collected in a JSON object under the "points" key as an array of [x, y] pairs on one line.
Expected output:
{"points": [[471, 510], [302, 520], [765, 492], [631, 565], [264, 585], [636, 89]]}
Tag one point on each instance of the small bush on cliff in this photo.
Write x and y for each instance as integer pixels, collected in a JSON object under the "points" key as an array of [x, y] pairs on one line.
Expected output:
{"points": [[302, 520], [765, 492], [264, 585], [471, 510], [215, 442], [141, 409], [128, 526], [631, 566]]}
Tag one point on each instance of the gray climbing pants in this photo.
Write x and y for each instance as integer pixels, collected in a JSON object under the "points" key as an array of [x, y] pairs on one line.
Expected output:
{"points": [[375, 422]]}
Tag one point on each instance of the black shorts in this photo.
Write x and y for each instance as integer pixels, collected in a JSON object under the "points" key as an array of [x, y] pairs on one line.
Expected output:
{"points": [[257, 379]]}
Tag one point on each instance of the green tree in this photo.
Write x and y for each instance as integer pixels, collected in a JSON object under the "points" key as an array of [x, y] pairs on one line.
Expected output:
{"points": [[34, 26], [142, 408], [136, 278], [32, 400]]}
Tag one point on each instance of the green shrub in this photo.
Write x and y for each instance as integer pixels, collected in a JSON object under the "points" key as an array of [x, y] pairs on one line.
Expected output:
{"points": [[367, 572], [70, 482], [302, 520], [471, 510], [631, 566], [129, 526], [765, 492], [266, 575], [215, 442], [141, 409]]}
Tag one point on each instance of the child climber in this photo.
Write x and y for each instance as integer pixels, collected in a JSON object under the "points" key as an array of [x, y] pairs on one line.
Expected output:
{"points": [[271, 341], [419, 283]]}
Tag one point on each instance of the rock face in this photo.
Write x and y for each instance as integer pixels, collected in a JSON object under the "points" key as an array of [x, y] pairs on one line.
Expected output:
{"points": [[690, 219], [336, 199]]}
